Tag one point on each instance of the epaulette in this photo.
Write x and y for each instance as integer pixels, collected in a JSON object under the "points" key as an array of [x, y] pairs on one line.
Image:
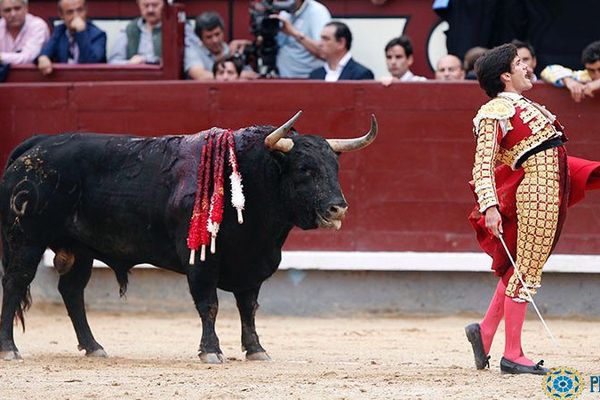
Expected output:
{"points": [[497, 108]]}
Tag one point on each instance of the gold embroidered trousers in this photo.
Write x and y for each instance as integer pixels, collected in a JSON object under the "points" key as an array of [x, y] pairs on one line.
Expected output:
{"points": [[539, 217]]}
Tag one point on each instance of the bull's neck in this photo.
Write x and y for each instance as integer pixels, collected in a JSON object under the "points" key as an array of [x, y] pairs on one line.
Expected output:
{"points": [[262, 180]]}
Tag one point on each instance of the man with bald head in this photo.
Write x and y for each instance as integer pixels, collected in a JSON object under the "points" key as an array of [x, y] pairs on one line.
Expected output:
{"points": [[22, 35], [76, 41], [141, 40], [449, 68]]}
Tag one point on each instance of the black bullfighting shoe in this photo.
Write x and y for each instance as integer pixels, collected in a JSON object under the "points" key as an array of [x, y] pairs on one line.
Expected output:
{"points": [[473, 332], [509, 367]]}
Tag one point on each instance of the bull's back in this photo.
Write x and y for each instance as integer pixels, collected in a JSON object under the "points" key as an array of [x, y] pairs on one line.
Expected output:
{"points": [[124, 196], [24, 147], [99, 190]]}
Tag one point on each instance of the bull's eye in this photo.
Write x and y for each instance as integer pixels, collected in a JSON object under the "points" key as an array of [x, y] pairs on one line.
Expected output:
{"points": [[306, 171]]}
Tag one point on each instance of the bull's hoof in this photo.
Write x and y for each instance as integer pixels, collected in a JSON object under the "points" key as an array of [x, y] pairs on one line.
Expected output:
{"points": [[99, 353], [211, 358], [11, 355], [258, 356]]}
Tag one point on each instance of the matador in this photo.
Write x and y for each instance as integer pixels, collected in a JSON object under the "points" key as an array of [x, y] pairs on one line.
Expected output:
{"points": [[524, 200]]}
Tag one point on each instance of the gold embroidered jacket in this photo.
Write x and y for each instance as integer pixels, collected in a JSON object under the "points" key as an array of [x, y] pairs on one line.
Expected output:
{"points": [[506, 128]]}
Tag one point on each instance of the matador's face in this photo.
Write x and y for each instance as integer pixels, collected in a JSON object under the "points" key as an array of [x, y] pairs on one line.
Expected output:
{"points": [[520, 75]]}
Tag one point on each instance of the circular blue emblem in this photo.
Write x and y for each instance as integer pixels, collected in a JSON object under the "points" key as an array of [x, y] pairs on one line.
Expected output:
{"points": [[563, 383]]}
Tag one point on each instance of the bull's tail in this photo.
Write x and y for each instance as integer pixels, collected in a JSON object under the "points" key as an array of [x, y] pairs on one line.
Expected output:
{"points": [[22, 307]]}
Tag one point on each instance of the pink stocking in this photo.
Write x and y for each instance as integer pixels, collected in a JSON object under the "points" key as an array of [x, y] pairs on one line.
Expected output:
{"points": [[514, 316], [492, 317]]}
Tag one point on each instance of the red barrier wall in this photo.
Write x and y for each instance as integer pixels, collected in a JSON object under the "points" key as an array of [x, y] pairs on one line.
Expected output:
{"points": [[406, 192]]}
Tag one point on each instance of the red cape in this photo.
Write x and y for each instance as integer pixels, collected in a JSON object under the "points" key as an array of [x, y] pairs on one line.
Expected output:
{"points": [[584, 175]]}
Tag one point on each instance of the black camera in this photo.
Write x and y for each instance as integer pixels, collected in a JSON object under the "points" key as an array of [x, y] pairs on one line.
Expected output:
{"points": [[263, 51]]}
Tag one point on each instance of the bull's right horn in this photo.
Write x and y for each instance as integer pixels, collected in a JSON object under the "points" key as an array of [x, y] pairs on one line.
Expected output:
{"points": [[344, 145], [276, 139]]}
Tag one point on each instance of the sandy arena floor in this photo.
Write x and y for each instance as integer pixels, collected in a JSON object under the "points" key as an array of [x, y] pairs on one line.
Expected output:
{"points": [[368, 357]]}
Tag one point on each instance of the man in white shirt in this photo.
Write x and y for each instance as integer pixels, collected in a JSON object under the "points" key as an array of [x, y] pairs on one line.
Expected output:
{"points": [[399, 58], [298, 38]]}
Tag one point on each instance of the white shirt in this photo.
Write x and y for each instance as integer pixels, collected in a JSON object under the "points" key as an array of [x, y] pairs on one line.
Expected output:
{"points": [[410, 77], [293, 60], [332, 75]]}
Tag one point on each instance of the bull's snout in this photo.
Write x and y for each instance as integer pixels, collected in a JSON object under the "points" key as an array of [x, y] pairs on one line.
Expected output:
{"points": [[332, 217], [337, 211]]}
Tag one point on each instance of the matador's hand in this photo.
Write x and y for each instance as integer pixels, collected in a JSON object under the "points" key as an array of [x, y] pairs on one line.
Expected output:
{"points": [[493, 221]]}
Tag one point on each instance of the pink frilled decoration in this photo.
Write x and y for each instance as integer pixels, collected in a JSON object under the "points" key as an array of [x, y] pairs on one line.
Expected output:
{"points": [[208, 216]]}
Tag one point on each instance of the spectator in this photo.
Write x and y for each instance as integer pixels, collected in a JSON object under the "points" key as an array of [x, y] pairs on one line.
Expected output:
{"points": [[449, 68], [75, 41], [228, 69], [22, 35], [141, 40], [526, 53], [209, 46], [298, 38], [580, 83], [336, 40], [469, 63], [399, 58]]}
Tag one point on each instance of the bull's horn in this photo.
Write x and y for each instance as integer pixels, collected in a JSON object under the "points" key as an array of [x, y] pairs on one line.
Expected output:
{"points": [[344, 145], [276, 139]]}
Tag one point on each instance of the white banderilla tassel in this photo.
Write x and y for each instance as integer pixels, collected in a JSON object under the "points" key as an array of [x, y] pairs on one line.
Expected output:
{"points": [[237, 196], [192, 256], [213, 228], [203, 253]]}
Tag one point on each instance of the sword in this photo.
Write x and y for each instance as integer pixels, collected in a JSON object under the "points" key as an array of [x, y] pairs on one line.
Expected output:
{"points": [[527, 291]]}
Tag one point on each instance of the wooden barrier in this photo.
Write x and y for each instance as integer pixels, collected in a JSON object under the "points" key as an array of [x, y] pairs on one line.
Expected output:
{"points": [[407, 192]]}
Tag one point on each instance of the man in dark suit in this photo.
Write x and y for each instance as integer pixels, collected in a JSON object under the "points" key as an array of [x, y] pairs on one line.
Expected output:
{"points": [[76, 41], [336, 40]]}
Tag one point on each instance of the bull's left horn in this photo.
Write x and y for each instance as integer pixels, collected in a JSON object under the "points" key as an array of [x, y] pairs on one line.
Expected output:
{"points": [[344, 145], [276, 139]]}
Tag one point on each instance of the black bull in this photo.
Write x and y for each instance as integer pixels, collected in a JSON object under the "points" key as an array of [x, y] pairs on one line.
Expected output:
{"points": [[127, 200]]}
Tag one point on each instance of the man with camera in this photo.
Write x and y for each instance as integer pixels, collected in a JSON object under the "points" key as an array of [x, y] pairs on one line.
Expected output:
{"points": [[211, 48], [298, 38]]}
